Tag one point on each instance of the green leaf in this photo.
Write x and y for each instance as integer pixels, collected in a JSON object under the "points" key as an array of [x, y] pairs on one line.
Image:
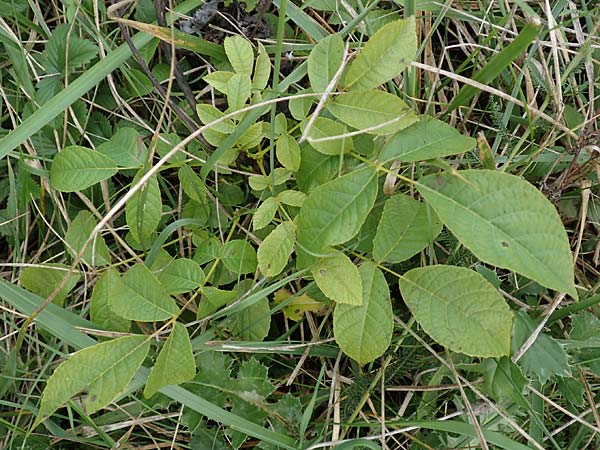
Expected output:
{"points": [[459, 309], [192, 184], [365, 332], [546, 358], [315, 169], [125, 148], [75, 168], [143, 210], [406, 227], [264, 213], [291, 198], [276, 248], [260, 182], [504, 380], [324, 61], [429, 138], [208, 113], [363, 110], [181, 276], [175, 362], [253, 322], [288, 152], [102, 372], [238, 91], [213, 299], [139, 296], [80, 229], [44, 280], [339, 279], [325, 128], [504, 221], [219, 80], [389, 51], [100, 312], [240, 54], [262, 69], [334, 212], [65, 51], [239, 256]]}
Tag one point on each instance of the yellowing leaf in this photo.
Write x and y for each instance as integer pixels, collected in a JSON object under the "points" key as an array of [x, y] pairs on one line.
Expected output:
{"points": [[101, 372], [297, 306], [364, 332], [276, 248], [339, 279], [175, 362]]}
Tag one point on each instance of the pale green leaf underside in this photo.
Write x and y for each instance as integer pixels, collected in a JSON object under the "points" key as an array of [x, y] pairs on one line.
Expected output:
{"points": [[101, 371], [276, 248], [324, 61], [459, 309], [139, 296], [405, 229], [76, 168], [339, 279], [429, 138], [364, 332], [334, 212], [240, 54], [504, 221], [264, 213], [384, 56], [370, 110], [175, 362]]}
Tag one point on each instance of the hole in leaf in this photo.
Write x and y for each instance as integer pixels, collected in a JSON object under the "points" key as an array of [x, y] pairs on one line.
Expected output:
{"points": [[504, 244]]}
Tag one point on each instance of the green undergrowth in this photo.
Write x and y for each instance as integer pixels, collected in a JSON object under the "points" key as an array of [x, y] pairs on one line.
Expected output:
{"points": [[299, 225]]}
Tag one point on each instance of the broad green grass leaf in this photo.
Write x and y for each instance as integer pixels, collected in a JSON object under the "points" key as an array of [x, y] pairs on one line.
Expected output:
{"points": [[389, 51], [324, 61], [181, 276], [238, 91], [253, 322], [364, 332], [404, 230], [546, 358], [334, 212], [324, 128], [80, 229], [219, 80], [276, 248], [459, 309], [240, 54], [101, 372], [100, 312], [175, 362], [429, 138], [262, 69], [369, 109], [139, 296], [264, 213], [288, 152], [339, 279], [44, 280], [192, 184], [75, 168], [239, 256], [143, 210], [504, 221], [125, 148]]}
